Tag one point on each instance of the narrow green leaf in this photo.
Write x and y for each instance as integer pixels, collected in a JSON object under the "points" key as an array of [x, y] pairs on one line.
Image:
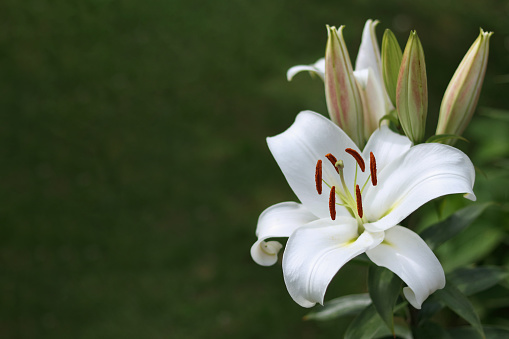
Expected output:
{"points": [[473, 280], [391, 62], [384, 287], [368, 323], [439, 233], [460, 305], [391, 118], [429, 308], [492, 332], [444, 137], [340, 307], [468, 281], [494, 113], [362, 259], [431, 330]]}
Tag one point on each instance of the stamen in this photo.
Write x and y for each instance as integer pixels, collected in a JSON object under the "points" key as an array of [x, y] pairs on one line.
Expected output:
{"points": [[359, 201], [357, 157], [332, 160], [318, 176], [332, 203], [372, 168]]}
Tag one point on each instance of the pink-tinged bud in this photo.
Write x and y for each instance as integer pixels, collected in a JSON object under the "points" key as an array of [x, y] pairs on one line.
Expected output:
{"points": [[341, 92], [412, 90], [461, 96]]}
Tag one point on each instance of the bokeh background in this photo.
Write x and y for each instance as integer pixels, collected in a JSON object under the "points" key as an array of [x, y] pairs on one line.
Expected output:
{"points": [[134, 163]]}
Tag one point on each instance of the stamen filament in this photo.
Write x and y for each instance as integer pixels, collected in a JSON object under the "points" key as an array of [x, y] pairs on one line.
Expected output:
{"points": [[332, 203], [372, 168], [357, 158], [359, 201], [318, 176]]}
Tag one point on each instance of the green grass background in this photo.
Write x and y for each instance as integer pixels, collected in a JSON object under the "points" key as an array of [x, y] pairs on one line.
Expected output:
{"points": [[134, 163]]}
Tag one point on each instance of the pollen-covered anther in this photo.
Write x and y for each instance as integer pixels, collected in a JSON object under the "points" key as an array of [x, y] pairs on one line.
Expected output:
{"points": [[372, 168], [332, 203], [332, 160], [359, 201], [357, 157], [318, 176]]}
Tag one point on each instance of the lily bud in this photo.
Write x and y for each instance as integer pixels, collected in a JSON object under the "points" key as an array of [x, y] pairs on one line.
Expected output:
{"points": [[460, 98], [341, 92], [391, 62], [412, 90]]}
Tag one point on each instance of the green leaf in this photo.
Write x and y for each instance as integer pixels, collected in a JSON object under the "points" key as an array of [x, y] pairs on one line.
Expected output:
{"points": [[439, 233], [468, 281], [492, 332], [384, 287], [431, 330], [473, 280], [460, 305], [391, 117], [368, 324], [362, 259], [391, 62], [340, 307], [443, 137]]}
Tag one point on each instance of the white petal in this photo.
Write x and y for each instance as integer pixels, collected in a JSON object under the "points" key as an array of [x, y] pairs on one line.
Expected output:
{"points": [[279, 220], [369, 57], [425, 172], [318, 68], [298, 149], [386, 146], [408, 256], [314, 254], [369, 52], [373, 101]]}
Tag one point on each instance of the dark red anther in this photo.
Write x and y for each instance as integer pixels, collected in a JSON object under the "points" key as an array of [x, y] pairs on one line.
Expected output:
{"points": [[318, 176], [359, 201], [332, 160], [332, 203], [372, 168], [357, 157]]}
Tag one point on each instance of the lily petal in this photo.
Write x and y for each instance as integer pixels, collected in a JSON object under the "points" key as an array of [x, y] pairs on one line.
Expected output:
{"points": [[316, 252], [425, 172], [318, 68], [369, 52], [279, 220], [408, 256], [297, 150], [386, 146], [372, 96]]}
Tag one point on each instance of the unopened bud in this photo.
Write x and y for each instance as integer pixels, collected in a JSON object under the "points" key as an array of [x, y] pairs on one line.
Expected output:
{"points": [[461, 96], [391, 62], [341, 92], [412, 90]]}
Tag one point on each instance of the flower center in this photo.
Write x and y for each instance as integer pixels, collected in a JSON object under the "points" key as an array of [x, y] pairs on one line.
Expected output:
{"points": [[345, 198]]}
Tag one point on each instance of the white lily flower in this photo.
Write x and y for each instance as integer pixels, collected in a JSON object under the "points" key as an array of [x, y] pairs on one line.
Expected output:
{"points": [[352, 204], [367, 73]]}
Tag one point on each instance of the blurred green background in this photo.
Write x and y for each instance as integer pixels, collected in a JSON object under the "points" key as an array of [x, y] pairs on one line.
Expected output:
{"points": [[134, 163]]}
